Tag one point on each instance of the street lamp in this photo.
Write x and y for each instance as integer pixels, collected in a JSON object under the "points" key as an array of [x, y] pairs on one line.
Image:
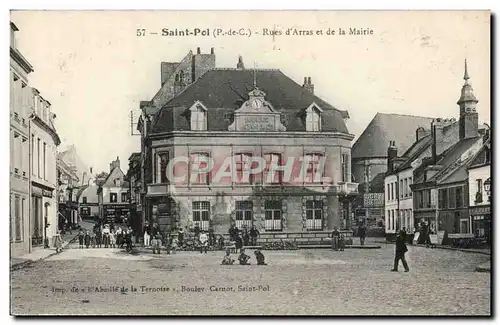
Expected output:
{"points": [[487, 188]]}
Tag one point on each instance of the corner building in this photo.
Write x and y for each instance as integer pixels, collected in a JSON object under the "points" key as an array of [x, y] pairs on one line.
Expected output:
{"points": [[246, 113]]}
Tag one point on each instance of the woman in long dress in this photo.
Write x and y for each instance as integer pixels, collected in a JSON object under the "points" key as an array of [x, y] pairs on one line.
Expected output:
{"points": [[58, 242]]}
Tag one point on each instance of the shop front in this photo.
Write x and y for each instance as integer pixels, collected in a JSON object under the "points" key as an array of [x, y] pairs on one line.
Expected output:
{"points": [[116, 213], [481, 222]]}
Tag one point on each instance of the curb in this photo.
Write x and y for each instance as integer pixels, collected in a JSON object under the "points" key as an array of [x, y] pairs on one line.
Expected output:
{"points": [[457, 249], [484, 269], [24, 264]]}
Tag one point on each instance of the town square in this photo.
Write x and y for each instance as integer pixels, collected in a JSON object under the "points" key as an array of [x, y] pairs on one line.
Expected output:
{"points": [[292, 174]]}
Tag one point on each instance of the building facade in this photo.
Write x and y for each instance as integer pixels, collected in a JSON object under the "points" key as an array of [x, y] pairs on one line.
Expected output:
{"points": [[480, 194], [67, 186], [44, 182], [20, 92], [370, 162], [441, 186], [113, 192], [249, 115]]}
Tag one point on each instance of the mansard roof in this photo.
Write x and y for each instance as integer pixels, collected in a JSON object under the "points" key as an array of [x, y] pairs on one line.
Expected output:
{"points": [[222, 91]]}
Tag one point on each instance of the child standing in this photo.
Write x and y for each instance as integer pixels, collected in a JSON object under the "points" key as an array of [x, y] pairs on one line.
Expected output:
{"points": [[80, 238]]}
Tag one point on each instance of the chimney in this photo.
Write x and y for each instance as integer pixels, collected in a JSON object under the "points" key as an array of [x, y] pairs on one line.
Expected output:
{"points": [[438, 145], [308, 85], [212, 51], [198, 50], [392, 153], [110, 167], [420, 133], [117, 162], [91, 170]]}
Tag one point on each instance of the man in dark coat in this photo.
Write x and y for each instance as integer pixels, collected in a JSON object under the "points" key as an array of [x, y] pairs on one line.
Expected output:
{"points": [[87, 239], [335, 238], [362, 234], [196, 231], [401, 250], [254, 233]]}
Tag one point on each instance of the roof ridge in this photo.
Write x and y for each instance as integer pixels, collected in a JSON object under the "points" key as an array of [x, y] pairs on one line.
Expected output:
{"points": [[407, 115], [251, 69]]}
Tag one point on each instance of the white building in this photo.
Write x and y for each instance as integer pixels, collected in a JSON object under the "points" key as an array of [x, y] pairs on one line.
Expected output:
{"points": [[20, 242], [480, 193], [44, 180]]}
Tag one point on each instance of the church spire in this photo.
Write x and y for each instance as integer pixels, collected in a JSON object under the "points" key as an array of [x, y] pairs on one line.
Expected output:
{"points": [[467, 95], [466, 73], [240, 64]]}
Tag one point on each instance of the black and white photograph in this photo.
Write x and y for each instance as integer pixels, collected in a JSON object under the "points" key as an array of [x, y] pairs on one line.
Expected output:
{"points": [[250, 163]]}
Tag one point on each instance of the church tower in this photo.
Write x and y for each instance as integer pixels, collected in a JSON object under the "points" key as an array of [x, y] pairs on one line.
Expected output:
{"points": [[468, 120]]}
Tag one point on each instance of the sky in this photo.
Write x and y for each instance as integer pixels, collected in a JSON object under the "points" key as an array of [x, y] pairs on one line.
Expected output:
{"points": [[94, 69]]}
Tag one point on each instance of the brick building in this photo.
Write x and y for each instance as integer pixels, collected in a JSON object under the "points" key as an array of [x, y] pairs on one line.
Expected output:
{"points": [[245, 114]]}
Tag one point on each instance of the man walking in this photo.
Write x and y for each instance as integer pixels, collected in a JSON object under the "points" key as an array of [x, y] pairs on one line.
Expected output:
{"points": [[362, 234], [401, 250]]}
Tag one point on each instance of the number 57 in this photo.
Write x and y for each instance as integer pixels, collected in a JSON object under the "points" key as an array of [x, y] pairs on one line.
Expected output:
{"points": [[141, 32]]}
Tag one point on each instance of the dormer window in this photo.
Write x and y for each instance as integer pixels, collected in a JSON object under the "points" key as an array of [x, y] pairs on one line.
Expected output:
{"points": [[313, 118], [198, 117]]}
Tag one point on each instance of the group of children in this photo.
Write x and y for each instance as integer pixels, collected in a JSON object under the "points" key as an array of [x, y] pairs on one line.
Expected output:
{"points": [[243, 258], [108, 236]]}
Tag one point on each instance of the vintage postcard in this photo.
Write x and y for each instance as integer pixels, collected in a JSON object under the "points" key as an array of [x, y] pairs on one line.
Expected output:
{"points": [[250, 163]]}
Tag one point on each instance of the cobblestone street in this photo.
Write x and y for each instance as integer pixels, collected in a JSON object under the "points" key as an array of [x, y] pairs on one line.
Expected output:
{"points": [[353, 282]]}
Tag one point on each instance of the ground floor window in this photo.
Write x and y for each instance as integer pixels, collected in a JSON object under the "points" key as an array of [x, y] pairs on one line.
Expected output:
{"points": [[273, 215], [314, 215], [480, 226], [37, 221], [201, 214], [244, 214], [18, 218]]}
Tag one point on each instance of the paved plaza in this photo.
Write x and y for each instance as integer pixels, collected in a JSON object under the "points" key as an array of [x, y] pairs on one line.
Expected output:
{"points": [[352, 282]]}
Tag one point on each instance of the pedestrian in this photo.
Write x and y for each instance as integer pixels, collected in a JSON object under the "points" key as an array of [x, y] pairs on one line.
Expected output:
{"points": [[401, 250], [58, 242], [405, 236], [362, 234], [181, 237], [196, 230], [227, 260], [221, 242], [105, 236], [260, 257], [243, 258], [156, 243], [98, 239], [80, 238], [92, 239], [246, 236], [203, 242], [111, 239], [341, 242], [119, 237], [147, 235], [238, 241], [335, 239], [254, 233], [87, 239]]}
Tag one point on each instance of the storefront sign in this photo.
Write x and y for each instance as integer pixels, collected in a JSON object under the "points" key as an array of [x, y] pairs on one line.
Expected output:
{"points": [[116, 206], [478, 211], [371, 200], [89, 204], [47, 193]]}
